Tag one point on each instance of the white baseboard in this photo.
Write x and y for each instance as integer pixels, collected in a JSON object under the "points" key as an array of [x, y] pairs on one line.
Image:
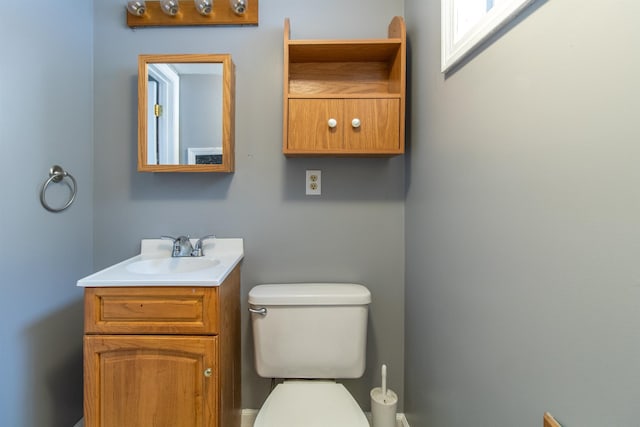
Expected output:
{"points": [[401, 420], [249, 416]]}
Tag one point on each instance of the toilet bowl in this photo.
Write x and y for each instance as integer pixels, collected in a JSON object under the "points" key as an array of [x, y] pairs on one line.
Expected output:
{"points": [[310, 403], [310, 334]]}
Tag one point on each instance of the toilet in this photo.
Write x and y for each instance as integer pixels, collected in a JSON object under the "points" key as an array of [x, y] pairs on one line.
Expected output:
{"points": [[310, 335]]}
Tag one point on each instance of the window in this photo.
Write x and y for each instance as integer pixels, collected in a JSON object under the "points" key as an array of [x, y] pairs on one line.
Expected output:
{"points": [[467, 23]]}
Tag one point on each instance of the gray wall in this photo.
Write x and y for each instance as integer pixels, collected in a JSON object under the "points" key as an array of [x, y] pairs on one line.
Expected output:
{"points": [[46, 94], [523, 222], [354, 232]]}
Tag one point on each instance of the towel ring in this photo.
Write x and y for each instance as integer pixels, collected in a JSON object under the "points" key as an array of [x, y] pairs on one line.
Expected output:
{"points": [[57, 174]]}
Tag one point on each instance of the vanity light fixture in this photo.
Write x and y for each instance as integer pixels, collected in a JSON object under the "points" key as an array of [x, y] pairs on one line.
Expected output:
{"points": [[169, 13], [203, 6], [136, 7], [170, 7]]}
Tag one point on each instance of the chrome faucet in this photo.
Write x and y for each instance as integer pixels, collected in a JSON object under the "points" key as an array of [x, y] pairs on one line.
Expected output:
{"points": [[182, 246], [197, 250]]}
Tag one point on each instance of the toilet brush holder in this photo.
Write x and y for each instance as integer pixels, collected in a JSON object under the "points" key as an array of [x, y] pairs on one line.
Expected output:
{"points": [[383, 403], [383, 408]]}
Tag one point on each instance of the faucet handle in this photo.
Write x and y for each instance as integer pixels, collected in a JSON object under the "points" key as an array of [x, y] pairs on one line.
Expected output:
{"points": [[197, 249], [181, 245], [176, 239]]}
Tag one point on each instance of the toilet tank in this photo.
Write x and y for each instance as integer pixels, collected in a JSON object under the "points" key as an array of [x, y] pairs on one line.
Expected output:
{"points": [[310, 330]]}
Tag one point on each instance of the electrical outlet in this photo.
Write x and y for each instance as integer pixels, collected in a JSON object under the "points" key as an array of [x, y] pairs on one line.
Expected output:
{"points": [[313, 183]]}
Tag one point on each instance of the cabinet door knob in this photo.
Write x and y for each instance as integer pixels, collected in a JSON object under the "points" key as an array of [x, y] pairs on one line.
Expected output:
{"points": [[208, 372], [332, 123], [355, 122]]}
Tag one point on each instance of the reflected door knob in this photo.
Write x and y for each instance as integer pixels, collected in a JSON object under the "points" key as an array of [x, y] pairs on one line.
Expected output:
{"points": [[332, 123], [355, 122]]}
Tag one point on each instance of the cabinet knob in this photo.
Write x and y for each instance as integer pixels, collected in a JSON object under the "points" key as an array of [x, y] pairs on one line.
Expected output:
{"points": [[208, 372], [332, 123], [355, 122]]}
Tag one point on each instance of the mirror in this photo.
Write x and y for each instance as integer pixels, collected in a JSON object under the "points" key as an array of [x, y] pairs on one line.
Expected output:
{"points": [[186, 113]]}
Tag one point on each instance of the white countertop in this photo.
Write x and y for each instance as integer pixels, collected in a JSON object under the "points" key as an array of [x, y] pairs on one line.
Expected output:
{"points": [[219, 259]]}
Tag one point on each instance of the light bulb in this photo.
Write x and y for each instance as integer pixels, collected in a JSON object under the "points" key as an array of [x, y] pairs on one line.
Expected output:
{"points": [[170, 7], [136, 7], [203, 6], [239, 6]]}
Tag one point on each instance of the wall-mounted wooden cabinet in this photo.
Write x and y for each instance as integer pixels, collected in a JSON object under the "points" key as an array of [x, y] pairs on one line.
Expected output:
{"points": [[345, 97]]}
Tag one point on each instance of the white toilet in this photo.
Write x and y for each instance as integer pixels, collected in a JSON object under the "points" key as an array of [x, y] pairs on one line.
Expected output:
{"points": [[310, 334]]}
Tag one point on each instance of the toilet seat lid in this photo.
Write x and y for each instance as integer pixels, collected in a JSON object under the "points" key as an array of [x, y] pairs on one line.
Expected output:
{"points": [[310, 403]]}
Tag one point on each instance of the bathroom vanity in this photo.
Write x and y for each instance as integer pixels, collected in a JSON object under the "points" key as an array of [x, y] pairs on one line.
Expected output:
{"points": [[162, 340]]}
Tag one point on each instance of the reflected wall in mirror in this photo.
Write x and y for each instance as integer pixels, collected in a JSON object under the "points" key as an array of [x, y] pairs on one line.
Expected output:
{"points": [[186, 113]]}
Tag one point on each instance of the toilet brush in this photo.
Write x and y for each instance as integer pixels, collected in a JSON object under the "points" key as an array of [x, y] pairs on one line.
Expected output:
{"points": [[384, 381], [383, 403]]}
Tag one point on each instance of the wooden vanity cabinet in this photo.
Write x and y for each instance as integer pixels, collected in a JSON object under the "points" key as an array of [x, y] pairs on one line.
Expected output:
{"points": [[345, 97], [163, 356]]}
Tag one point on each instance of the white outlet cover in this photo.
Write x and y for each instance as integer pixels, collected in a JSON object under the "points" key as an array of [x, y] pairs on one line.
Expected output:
{"points": [[313, 183]]}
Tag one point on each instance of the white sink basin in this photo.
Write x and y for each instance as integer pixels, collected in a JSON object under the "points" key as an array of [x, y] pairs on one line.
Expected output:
{"points": [[170, 265], [155, 266]]}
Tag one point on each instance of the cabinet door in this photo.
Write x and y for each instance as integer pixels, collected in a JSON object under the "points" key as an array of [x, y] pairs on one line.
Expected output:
{"points": [[309, 128], [150, 381], [378, 130]]}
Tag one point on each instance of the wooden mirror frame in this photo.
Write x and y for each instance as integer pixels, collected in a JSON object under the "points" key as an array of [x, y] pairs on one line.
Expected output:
{"points": [[228, 112]]}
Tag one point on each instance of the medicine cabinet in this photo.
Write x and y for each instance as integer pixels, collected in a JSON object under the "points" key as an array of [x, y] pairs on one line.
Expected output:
{"points": [[186, 113]]}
